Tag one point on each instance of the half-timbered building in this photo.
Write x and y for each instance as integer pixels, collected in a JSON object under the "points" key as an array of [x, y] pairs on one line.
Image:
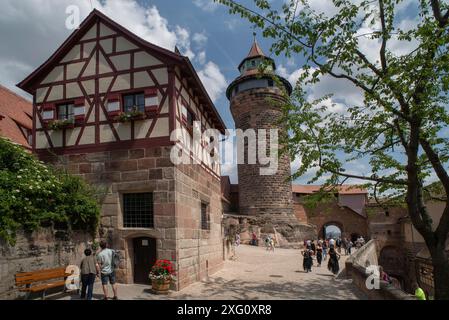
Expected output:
{"points": [[105, 104]]}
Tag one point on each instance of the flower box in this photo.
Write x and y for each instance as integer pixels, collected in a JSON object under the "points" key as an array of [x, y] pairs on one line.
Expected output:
{"points": [[162, 274], [60, 124], [132, 115]]}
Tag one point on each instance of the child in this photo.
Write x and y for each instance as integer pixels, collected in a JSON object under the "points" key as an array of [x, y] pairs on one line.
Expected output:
{"points": [[89, 269]]}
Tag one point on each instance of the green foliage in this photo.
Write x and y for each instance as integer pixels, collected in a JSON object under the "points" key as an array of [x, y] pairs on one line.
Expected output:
{"points": [[133, 114], [33, 194], [60, 124]]}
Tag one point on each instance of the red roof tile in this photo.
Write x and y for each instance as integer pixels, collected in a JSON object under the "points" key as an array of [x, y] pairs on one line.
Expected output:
{"points": [[344, 189], [15, 111]]}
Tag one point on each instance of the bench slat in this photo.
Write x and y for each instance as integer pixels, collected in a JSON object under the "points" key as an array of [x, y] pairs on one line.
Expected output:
{"points": [[47, 286], [39, 278], [25, 278]]}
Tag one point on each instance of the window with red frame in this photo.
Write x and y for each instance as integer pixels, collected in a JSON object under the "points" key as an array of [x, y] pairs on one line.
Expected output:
{"points": [[136, 100], [66, 111]]}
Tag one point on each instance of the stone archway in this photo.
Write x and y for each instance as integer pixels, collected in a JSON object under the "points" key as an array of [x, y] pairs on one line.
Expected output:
{"points": [[337, 226]]}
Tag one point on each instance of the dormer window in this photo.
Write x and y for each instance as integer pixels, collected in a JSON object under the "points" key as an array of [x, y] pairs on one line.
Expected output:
{"points": [[66, 111], [131, 101]]}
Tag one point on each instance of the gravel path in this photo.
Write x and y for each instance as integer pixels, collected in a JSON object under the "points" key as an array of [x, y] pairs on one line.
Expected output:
{"points": [[257, 274]]}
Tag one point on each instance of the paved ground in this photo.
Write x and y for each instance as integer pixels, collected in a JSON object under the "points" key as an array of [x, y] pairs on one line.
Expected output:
{"points": [[256, 274]]}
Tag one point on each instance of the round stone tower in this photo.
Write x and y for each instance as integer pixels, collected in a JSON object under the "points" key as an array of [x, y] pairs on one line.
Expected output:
{"points": [[255, 99]]}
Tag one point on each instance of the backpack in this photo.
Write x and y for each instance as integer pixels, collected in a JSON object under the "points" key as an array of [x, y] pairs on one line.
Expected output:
{"points": [[115, 262]]}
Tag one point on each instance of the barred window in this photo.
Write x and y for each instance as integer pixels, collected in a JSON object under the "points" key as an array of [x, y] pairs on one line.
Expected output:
{"points": [[138, 210], [205, 216]]}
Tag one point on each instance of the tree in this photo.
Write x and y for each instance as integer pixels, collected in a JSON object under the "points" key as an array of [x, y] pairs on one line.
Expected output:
{"points": [[397, 126], [33, 195]]}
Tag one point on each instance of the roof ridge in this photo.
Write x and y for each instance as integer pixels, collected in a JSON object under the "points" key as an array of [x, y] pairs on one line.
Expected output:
{"points": [[15, 94]]}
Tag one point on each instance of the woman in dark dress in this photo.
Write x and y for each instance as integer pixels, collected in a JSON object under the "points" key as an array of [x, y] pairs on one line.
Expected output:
{"points": [[307, 262], [319, 254], [333, 261]]}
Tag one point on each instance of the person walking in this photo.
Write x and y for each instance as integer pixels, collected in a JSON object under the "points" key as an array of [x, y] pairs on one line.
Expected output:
{"points": [[89, 270], [324, 246], [319, 254], [307, 260], [345, 245], [338, 244], [333, 265], [419, 293], [107, 272], [331, 243], [350, 244], [313, 247], [254, 239]]}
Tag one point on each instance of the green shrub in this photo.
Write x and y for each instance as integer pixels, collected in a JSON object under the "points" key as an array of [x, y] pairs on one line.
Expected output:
{"points": [[33, 194]]}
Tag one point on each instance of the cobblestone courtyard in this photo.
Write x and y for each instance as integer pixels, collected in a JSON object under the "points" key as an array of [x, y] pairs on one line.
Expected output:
{"points": [[255, 274]]}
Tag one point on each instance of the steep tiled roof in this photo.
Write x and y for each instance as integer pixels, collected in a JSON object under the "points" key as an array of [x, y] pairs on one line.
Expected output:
{"points": [[15, 111], [344, 189]]}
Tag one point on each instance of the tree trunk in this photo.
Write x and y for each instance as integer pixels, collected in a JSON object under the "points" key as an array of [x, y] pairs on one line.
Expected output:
{"points": [[440, 264]]}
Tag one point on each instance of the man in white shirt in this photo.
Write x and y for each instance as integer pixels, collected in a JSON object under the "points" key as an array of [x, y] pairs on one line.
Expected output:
{"points": [[107, 272]]}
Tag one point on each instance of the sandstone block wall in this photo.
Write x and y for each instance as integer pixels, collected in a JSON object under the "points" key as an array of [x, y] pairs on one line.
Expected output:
{"points": [[43, 249], [177, 195], [201, 252], [261, 194], [346, 219]]}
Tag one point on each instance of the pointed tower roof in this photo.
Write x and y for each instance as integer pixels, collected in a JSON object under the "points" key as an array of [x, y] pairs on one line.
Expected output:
{"points": [[255, 51]]}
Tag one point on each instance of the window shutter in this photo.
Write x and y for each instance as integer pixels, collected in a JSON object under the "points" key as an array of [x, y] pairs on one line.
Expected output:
{"points": [[80, 109], [151, 100], [48, 111], [113, 104]]}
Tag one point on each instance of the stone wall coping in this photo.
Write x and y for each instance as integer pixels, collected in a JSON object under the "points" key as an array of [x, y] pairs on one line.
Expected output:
{"points": [[358, 273]]}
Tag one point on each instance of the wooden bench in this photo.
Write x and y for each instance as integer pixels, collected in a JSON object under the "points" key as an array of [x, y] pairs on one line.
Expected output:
{"points": [[39, 281]]}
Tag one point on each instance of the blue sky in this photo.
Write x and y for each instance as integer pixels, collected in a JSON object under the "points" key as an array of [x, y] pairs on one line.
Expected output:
{"points": [[216, 42]]}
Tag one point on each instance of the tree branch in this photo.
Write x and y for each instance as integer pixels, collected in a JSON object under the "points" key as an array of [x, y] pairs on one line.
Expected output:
{"points": [[383, 47], [442, 20]]}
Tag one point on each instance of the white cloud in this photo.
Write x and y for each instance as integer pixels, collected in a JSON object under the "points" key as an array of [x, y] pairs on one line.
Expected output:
{"points": [[213, 80], [202, 57], [206, 5], [200, 39]]}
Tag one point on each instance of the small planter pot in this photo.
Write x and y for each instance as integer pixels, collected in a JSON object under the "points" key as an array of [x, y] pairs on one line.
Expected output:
{"points": [[160, 286]]}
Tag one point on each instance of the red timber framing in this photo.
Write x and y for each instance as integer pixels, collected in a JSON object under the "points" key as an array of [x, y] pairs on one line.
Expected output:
{"points": [[96, 102]]}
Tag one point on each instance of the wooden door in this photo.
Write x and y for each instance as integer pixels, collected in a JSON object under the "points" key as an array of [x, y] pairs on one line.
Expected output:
{"points": [[144, 258]]}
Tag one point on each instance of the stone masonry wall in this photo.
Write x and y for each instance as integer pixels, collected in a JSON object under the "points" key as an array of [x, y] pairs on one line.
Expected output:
{"points": [[267, 196], [261, 194], [177, 194], [350, 222], [43, 249], [200, 251], [130, 171]]}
